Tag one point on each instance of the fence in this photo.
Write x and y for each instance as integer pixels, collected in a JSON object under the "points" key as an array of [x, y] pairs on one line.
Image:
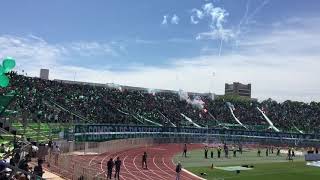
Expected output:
{"points": [[71, 165]]}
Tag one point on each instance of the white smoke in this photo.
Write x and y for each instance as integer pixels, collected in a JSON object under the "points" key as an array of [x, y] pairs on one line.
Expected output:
{"points": [[152, 91], [175, 19], [197, 15], [115, 86], [195, 102], [165, 21], [218, 17], [183, 95], [193, 21]]}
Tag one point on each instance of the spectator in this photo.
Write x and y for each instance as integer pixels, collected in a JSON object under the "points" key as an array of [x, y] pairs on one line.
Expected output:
{"points": [[114, 104], [38, 171], [23, 164], [178, 170], [185, 149], [144, 161], [2, 148], [118, 165], [110, 165]]}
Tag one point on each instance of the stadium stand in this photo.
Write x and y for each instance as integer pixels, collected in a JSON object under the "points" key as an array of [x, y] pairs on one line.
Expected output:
{"points": [[60, 102]]}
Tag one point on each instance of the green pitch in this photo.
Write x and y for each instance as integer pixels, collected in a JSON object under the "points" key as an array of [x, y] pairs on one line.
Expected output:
{"points": [[265, 168]]}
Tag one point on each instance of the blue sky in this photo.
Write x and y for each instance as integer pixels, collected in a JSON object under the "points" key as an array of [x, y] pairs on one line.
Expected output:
{"points": [[272, 44]]}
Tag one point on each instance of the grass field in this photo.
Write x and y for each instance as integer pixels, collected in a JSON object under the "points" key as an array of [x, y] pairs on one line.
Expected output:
{"points": [[265, 168]]}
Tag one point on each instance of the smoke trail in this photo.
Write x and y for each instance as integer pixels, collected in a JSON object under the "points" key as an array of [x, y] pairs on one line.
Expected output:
{"points": [[220, 47], [257, 10], [244, 16], [247, 17]]}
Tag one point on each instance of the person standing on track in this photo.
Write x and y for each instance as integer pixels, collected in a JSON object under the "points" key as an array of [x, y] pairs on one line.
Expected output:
{"points": [[240, 148], [219, 151], [144, 160], [278, 151], [185, 149], [118, 165], [206, 152], [289, 154], [110, 165], [292, 153], [178, 171], [226, 150]]}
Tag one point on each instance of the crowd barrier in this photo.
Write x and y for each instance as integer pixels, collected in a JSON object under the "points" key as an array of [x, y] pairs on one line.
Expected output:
{"points": [[70, 163]]}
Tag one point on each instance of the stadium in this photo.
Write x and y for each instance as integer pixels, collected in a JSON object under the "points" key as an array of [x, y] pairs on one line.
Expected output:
{"points": [[109, 112], [91, 123]]}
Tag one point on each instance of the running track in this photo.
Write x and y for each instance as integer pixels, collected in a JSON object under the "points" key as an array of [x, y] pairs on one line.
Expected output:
{"points": [[160, 164]]}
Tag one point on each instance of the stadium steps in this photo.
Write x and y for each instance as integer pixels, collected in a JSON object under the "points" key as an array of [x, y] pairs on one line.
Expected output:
{"points": [[8, 139], [7, 126], [6, 100], [43, 133]]}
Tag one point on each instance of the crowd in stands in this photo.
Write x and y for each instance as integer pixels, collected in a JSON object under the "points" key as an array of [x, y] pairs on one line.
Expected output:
{"points": [[20, 161], [54, 101]]}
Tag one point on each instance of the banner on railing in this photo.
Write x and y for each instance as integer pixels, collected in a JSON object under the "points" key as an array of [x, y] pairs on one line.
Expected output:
{"points": [[103, 132]]}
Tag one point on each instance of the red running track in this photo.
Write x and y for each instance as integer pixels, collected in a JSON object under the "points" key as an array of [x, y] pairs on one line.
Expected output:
{"points": [[160, 164]]}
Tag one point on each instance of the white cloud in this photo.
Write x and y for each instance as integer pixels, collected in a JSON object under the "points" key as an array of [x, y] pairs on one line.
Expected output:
{"points": [[275, 64], [262, 63], [223, 34], [198, 12], [196, 75], [196, 16], [165, 21], [143, 41], [175, 19], [91, 48], [33, 53]]}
